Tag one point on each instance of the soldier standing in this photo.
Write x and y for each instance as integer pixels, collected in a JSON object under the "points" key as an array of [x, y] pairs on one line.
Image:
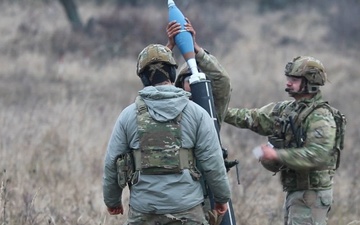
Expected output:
{"points": [[304, 143], [220, 86], [165, 134]]}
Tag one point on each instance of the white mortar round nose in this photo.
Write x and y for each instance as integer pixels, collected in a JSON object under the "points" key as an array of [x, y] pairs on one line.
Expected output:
{"points": [[170, 3]]}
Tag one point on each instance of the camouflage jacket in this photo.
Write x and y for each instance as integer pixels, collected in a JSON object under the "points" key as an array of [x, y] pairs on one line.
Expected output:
{"points": [[310, 152], [220, 81], [161, 194]]}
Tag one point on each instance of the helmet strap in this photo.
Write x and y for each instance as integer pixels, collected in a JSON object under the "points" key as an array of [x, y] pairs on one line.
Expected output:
{"points": [[303, 86], [172, 74]]}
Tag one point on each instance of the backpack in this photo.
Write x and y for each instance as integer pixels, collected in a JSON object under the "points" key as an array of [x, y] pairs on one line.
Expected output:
{"points": [[340, 121]]}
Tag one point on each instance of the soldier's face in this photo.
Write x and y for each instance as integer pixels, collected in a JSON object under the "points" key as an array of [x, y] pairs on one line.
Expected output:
{"points": [[186, 84], [293, 85]]}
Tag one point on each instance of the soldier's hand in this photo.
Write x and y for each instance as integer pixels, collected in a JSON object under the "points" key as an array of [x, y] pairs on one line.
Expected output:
{"points": [[172, 29], [221, 208], [116, 210], [214, 217], [269, 153], [191, 29]]}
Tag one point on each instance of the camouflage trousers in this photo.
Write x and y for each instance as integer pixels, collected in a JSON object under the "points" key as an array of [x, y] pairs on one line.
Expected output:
{"points": [[307, 207], [206, 208], [194, 216]]}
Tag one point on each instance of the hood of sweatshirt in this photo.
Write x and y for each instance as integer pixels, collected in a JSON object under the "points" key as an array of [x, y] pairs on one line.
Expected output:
{"points": [[164, 102]]}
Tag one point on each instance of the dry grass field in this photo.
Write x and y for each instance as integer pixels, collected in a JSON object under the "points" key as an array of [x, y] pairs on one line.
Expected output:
{"points": [[60, 94]]}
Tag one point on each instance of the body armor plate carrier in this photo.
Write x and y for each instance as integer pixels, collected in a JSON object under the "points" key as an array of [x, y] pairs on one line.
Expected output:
{"points": [[160, 149], [289, 132]]}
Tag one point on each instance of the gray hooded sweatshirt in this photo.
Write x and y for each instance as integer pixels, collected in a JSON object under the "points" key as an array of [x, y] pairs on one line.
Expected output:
{"points": [[161, 194]]}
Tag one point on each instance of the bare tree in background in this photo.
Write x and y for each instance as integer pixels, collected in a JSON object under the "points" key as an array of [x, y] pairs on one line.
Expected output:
{"points": [[74, 18], [72, 14]]}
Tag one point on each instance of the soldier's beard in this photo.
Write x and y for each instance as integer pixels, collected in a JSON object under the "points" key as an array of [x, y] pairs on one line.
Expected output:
{"points": [[291, 92]]}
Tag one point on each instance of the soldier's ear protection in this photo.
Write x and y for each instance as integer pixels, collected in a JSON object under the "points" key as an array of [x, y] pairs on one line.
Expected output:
{"points": [[145, 79], [172, 74]]}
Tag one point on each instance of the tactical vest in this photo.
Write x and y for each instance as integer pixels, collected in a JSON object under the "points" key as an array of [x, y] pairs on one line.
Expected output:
{"points": [[289, 133], [160, 149]]}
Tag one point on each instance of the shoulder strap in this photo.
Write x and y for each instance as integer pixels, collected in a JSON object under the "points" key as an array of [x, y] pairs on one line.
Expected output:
{"points": [[276, 109], [140, 105], [306, 112]]}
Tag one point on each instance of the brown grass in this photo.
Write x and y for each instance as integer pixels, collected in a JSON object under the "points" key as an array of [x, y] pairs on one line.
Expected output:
{"points": [[60, 94]]}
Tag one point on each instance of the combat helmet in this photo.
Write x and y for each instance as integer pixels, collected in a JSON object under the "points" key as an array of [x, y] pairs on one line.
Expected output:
{"points": [[309, 68], [155, 53]]}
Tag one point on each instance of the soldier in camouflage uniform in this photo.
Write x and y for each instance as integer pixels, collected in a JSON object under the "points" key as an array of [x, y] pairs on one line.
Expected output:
{"points": [[165, 134], [214, 71], [302, 137]]}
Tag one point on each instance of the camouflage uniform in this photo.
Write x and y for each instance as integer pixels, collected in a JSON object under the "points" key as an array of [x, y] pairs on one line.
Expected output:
{"points": [[306, 157], [220, 81]]}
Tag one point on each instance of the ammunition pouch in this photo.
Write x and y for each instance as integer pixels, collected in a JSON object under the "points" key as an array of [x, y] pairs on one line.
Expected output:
{"points": [[307, 180], [125, 169]]}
